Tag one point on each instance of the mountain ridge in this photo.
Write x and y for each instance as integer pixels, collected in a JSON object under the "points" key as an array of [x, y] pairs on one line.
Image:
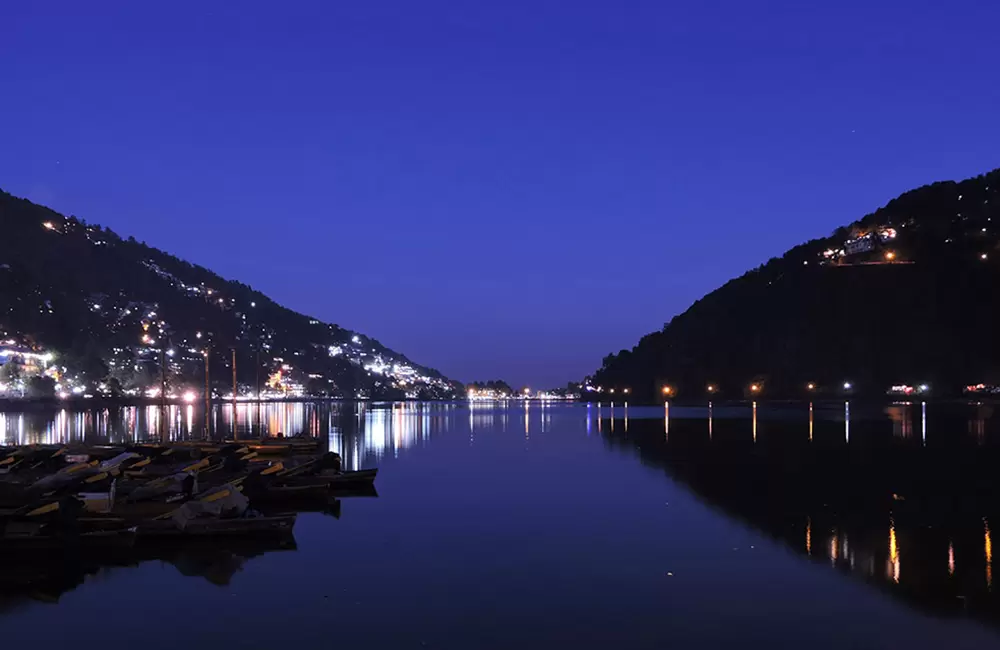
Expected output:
{"points": [[899, 297], [106, 307]]}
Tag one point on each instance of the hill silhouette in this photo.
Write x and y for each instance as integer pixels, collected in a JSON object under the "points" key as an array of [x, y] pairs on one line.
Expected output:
{"points": [[109, 309], [903, 296]]}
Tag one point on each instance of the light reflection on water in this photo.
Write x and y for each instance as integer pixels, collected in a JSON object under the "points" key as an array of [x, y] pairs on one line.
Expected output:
{"points": [[359, 432], [851, 482]]}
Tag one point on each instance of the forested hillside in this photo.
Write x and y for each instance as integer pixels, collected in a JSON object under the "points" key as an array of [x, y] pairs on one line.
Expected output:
{"points": [[97, 313], [904, 297]]}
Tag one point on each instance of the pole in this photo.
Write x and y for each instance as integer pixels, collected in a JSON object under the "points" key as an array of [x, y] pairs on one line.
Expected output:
{"points": [[208, 397], [234, 394], [163, 394], [259, 423]]}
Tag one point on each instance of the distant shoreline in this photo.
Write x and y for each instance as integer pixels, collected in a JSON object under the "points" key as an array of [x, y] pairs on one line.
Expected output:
{"points": [[8, 404], [80, 403]]}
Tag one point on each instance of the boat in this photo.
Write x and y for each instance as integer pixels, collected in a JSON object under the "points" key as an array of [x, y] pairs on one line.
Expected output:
{"points": [[355, 490], [329, 461], [18, 535], [289, 495], [105, 496], [345, 479], [243, 526], [225, 511]]}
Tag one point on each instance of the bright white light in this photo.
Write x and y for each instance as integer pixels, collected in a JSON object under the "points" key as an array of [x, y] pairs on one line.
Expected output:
{"points": [[924, 388], [253, 304], [170, 353], [190, 396], [847, 385], [198, 335], [355, 339]]}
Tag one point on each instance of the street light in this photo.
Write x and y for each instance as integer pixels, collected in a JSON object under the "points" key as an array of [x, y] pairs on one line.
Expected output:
{"points": [[847, 385], [754, 388], [667, 390], [711, 388], [810, 386]]}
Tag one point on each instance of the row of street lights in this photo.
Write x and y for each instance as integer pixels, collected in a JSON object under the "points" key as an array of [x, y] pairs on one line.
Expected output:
{"points": [[669, 391]]}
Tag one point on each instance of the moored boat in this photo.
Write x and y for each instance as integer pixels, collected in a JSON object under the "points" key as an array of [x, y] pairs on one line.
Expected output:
{"points": [[243, 526]]}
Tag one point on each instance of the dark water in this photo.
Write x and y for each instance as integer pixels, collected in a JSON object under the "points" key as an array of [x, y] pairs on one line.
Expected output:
{"points": [[569, 526]]}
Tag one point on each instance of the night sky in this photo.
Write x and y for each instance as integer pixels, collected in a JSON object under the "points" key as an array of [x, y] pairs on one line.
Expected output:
{"points": [[509, 191]]}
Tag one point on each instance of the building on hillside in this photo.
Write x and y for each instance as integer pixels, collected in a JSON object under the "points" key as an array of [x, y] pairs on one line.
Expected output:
{"points": [[862, 244], [24, 356]]}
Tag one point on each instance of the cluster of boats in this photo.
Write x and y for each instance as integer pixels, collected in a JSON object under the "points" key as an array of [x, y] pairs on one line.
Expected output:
{"points": [[107, 496]]}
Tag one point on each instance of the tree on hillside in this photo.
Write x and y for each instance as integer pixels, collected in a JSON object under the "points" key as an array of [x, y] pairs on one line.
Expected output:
{"points": [[40, 386], [10, 372]]}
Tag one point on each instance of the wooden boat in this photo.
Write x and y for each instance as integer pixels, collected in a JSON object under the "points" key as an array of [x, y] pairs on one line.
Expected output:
{"points": [[48, 538], [356, 490], [289, 495], [345, 479], [330, 461], [31, 462], [260, 525], [52, 495]]}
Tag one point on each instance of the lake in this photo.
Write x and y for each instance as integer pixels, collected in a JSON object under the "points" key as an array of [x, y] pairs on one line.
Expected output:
{"points": [[542, 525]]}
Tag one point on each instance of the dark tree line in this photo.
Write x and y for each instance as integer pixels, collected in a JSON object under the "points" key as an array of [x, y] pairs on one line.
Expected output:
{"points": [[496, 385]]}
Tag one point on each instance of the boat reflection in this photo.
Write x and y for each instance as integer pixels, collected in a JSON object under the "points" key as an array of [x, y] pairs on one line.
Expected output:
{"points": [[47, 577], [852, 487]]}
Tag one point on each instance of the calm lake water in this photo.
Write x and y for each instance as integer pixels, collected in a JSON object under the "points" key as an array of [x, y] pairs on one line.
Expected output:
{"points": [[566, 525]]}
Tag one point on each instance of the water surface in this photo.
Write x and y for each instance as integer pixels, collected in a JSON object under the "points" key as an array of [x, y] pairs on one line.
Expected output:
{"points": [[564, 525]]}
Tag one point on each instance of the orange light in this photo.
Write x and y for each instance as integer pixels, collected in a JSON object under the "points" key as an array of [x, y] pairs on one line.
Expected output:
{"points": [[889, 255], [667, 390], [711, 388], [754, 388], [811, 386]]}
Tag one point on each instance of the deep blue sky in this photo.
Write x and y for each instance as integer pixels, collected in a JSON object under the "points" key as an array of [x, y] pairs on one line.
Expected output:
{"points": [[511, 190]]}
